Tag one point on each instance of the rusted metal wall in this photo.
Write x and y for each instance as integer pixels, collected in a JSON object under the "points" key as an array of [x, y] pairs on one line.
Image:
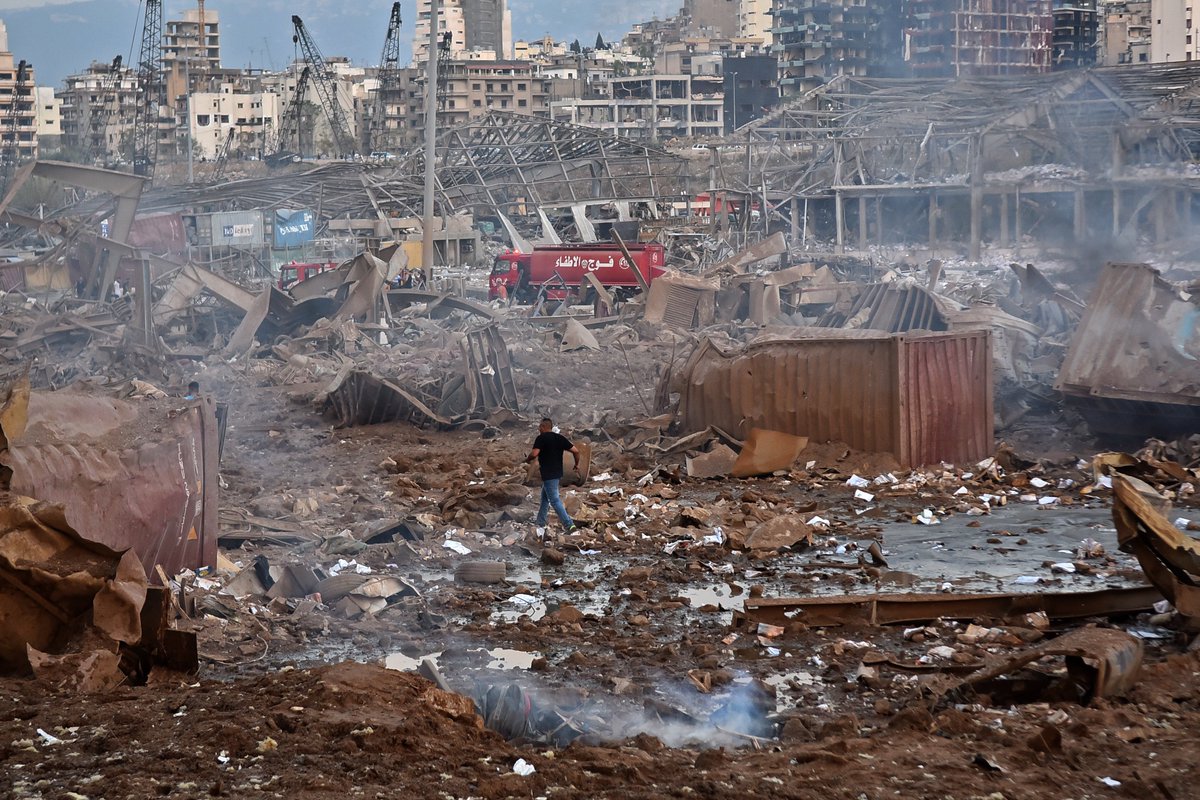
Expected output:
{"points": [[138, 475], [1138, 339], [945, 393], [1133, 367], [924, 398]]}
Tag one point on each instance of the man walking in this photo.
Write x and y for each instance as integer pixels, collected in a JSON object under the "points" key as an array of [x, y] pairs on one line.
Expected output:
{"points": [[548, 449]]}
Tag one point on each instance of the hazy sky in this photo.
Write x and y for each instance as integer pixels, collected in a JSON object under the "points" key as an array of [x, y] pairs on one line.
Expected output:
{"points": [[60, 37]]}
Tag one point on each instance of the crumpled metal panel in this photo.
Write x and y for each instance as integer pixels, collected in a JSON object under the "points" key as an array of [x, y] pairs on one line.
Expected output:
{"points": [[924, 398], [138, 475], [1138, 341]]}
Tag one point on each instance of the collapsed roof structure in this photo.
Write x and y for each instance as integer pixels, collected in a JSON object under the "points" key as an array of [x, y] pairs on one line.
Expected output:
{"points": [[501, 161], [1099, 148]]}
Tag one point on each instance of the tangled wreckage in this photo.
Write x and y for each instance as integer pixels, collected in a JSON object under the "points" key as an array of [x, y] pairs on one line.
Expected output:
{"points": [[900, 518]]}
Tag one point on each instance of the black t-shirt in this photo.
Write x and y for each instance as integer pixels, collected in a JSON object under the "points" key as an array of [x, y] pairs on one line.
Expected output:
{"points": [[550, 447]]}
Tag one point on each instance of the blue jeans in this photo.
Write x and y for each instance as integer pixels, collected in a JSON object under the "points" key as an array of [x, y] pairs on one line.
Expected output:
{"points": [[550, 498]]}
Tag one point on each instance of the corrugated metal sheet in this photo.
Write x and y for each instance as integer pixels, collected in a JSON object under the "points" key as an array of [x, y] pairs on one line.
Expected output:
{"points": [[922, 397], [1138, 340], [891, 307], [130, 475], [1133, 367]]}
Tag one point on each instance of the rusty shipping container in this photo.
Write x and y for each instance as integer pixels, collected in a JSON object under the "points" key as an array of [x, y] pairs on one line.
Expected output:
{"points": [[924, 398], [130, 474]]}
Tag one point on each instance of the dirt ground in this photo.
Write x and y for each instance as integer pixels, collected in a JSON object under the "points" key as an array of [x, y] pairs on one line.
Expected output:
{"points": [[626, 630]]}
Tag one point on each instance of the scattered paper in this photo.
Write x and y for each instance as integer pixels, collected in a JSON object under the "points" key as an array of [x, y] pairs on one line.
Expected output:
{"points": [[866, 497], [1110, 782], [857, 482], [926, 517], [457, 547], [48, 738], [523, 768]]}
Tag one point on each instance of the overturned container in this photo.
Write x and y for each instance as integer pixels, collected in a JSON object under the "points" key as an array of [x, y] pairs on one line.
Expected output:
{"points": [[923, 397]]}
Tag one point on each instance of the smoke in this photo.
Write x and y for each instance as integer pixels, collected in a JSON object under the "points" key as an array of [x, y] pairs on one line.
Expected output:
{"points": [[529, 709]]}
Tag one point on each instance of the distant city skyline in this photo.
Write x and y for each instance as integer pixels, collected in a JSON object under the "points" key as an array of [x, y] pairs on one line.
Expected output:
{"points": [[62, 37]]}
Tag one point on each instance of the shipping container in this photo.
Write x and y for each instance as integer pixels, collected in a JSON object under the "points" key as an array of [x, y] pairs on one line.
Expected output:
{"points": [[924, 398], [237, 228]]}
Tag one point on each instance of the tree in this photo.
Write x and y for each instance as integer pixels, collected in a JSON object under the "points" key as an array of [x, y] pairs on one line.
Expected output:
{"points": [[600, 45], [576, 47]]}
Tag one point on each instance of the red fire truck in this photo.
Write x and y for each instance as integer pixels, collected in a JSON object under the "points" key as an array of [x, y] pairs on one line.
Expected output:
{"points": [[295, 272], [560, 268]]}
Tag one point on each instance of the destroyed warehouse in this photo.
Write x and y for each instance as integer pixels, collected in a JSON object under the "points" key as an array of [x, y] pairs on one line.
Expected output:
{"points": [[887, 469]]}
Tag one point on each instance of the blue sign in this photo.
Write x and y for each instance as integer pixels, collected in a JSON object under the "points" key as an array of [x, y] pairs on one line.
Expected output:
{"points": [[294, 228]]}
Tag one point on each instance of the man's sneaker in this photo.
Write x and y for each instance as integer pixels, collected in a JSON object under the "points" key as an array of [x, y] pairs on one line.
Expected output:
{"points": [[572, 529], [541, 532]]}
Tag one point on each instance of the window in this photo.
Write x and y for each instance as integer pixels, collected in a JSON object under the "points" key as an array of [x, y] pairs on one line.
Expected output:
{"points": [[477, 103], [520, 87], [504, 104], [476, 86], [522, 103]]}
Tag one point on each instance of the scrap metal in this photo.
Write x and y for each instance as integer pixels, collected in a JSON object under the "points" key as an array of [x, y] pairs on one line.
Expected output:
{"points": [[1169, 557], [892, 609], [129, 485], [1133, 367]]}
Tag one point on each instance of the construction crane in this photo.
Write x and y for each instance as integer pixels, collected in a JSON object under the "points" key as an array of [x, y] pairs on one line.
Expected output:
{"points": [[290, 125], [223, 157], [12, 145], [326, 89], [150, 84], [389, 84]]}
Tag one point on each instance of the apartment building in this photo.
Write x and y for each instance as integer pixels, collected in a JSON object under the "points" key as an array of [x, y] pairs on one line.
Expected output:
{"points": [[97, 107], [653, 107], [816, 40], [951, 38], [754, 21], [469, 24], [191, 52], [1076, 31], [249, 118], [49, 118], [18, 115]]}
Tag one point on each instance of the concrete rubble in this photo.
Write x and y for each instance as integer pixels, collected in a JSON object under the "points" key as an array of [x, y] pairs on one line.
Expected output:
{"points": [[834, 509]]}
